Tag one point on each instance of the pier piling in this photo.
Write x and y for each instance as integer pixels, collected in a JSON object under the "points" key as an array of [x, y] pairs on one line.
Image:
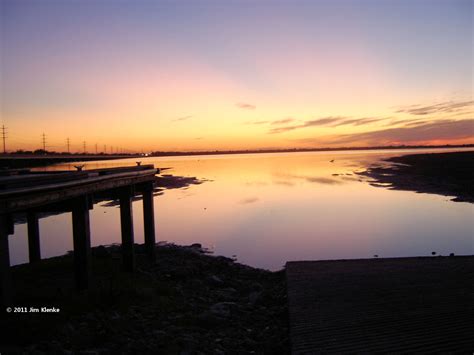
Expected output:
{"points": [[34, 248], [126, 223], [149, 220]]}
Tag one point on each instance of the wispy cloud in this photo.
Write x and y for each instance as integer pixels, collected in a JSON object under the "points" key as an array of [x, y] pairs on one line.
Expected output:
{"points": [[256, 122], [283, 121], [423, 132], [331, 121], [317, 122], [358, 121], [246, 106], [442, 107], [179, 119], [403, 121]]}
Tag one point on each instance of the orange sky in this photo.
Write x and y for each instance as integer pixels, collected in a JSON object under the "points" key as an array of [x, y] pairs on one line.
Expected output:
{"points": [[203, 75]]}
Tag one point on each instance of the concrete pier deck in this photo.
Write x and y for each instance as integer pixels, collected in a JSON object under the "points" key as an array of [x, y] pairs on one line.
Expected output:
{"points": [[399, 305]]}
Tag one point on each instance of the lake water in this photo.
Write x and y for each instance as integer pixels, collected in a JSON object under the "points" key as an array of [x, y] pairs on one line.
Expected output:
{"points": [[267, 209]]}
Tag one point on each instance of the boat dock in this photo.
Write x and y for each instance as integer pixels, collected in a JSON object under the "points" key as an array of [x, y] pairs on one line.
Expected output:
{"points": [[29, 192], [394, 305]]}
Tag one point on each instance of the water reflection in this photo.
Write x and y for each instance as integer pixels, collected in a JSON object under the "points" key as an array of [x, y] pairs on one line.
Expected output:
{"points": [[287, 178], [270, 208]]}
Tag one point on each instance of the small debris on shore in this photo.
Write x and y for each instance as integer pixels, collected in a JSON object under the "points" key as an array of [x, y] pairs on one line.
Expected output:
{"points": [[187, 302]]}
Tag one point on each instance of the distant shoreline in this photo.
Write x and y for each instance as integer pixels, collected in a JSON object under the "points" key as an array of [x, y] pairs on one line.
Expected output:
{"points": [[302, 150], [20, 161]]}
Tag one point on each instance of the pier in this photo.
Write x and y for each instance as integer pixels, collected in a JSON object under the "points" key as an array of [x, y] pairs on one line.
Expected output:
{"points": [[23, 191]]}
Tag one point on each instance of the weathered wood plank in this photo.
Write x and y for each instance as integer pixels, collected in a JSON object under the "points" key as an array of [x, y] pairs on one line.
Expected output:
{"points": [[25, 199]]}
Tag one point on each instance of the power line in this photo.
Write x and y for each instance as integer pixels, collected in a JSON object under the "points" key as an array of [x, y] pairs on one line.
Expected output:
{"points": [[44, 141], [4, 137]]}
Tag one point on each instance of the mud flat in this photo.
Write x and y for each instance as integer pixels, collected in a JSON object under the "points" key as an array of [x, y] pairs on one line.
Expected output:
{"points": [[448, 174]]}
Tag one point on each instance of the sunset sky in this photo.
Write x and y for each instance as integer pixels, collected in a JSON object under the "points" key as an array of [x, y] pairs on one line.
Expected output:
{"points": [[197, 75]]}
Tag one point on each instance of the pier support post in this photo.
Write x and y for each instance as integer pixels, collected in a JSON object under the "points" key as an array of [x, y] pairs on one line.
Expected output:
{"points": [[126, 223], [5, 280], [33, 237], [82, 242], [149, 220]]}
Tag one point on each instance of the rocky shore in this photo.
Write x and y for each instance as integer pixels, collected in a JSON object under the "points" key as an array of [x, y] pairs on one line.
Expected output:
{"points": [[448, 174], [187, 302]]}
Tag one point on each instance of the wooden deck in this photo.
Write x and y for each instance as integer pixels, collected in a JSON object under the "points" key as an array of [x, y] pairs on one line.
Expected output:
{"points": [[25, 191], [400, 305]]}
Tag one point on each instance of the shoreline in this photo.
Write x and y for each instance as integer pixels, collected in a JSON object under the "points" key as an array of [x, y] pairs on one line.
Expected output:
{"points": [[19, 161], [188, 301], [448, 174], [303, 150]]}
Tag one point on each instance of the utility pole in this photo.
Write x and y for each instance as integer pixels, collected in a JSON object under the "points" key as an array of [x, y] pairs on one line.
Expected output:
{"points": [[105, 149], [84, 145], [68, 145], [44, 141], [96, 149], [4, 137]]}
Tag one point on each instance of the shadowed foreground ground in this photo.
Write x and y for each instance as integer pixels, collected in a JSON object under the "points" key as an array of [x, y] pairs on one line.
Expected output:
{"points": [[186, 303], [448, 174]]}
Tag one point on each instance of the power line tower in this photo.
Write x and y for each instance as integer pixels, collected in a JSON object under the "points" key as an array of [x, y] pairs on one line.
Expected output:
{"points": [[68, 142], [84, 146], [105, 149], [43, 140], [4, 137]]}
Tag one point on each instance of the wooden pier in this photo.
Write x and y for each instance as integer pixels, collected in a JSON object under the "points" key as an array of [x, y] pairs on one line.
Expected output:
{"points": [[31, 193]]}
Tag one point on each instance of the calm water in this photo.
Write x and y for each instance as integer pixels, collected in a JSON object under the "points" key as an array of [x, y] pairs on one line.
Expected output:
{"points": [[270, 208]]}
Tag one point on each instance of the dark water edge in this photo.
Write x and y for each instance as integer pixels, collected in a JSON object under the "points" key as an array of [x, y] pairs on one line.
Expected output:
{"points": [[187, 302], [447, 174]]}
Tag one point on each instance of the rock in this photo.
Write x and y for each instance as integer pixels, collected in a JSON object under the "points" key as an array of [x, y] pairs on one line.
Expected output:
{"points": [[255, 286], [255, 296], [229, 294], [216, 280], [100, 252], [158, 333], [196, 246], [146, 292], [222, 309], [207, 318], [115, 316]]}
